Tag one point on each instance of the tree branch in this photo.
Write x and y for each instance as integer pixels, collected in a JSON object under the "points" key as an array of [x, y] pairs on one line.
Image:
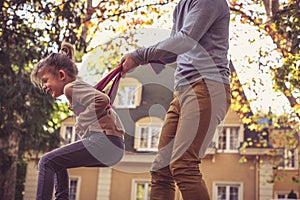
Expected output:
{"points": [[101, 19]]}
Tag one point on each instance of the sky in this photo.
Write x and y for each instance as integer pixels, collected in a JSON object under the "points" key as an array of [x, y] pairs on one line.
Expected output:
{"points": [[239, 48]]}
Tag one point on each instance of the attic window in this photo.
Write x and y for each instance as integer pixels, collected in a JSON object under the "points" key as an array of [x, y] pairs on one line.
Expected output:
{"points": [[129, 93], [147, 133], [228, 138]]}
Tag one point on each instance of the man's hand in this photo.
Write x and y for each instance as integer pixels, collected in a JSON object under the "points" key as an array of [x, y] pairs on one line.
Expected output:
{"points": [[128, 64]]}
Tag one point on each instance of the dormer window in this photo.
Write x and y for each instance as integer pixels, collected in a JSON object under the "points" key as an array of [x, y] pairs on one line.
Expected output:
{"points": [[129, 93], [147, 133], [228, 138]]}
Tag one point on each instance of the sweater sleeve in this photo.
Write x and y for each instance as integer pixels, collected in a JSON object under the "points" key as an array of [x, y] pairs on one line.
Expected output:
{"points": [[196, 21], [92, 102]]}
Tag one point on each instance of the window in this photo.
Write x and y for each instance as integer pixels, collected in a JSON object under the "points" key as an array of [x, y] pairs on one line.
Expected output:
{"points": [[281, 196], [289, 160], [74, 188], [286, 195], [147, 133], [228, 138], [227, 191], [129, 93], [68, 134], [141, 190]]}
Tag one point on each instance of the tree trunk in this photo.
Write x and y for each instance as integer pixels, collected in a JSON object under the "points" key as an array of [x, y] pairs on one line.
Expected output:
{"points": [[10, 149], [271, 7]]}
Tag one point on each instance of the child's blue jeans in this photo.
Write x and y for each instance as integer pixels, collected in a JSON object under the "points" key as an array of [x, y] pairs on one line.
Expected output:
{"points": [[96, 150]]}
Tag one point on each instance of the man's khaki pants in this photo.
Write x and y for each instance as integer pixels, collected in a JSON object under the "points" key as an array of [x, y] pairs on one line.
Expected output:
{"points": [[189, 127]]}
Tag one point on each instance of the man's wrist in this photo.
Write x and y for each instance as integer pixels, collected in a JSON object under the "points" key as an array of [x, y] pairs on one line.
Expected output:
{"points": [[137, 57]]}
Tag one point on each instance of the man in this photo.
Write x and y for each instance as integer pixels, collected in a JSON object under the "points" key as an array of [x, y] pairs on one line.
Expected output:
{"points": [[199, 45]]}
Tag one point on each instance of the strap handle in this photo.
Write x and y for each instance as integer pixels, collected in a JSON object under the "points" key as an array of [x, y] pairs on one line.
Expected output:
{"points": [[116, 75]]}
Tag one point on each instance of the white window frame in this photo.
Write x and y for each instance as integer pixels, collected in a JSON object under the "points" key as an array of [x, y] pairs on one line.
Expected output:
{"points": [[227, 184], [129, 82], [73, 134], [286, 160], [146, 122], [78, 186], [227, 127], [134, 184]]}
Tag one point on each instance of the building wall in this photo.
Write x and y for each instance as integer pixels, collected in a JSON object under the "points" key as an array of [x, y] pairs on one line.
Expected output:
{"points": [[284, 183], [121, 186], [88, 181], [215, 168], [228, 168]]}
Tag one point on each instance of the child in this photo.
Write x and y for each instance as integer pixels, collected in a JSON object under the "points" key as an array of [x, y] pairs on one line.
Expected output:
{"points": [[96, 123]]}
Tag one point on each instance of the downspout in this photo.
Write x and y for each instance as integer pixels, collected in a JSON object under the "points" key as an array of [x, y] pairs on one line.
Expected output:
{"points": [[257, 177]]}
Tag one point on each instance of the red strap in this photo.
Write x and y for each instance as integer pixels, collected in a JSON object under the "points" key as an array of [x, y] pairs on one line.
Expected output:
{"points": [[116, 73]]}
